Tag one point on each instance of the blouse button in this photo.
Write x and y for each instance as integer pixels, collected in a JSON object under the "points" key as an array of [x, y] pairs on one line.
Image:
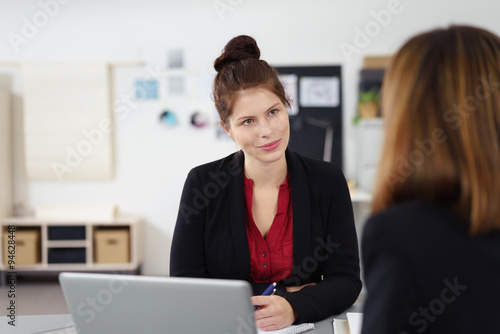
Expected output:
{"points": [[263, 254], [264, 265]]}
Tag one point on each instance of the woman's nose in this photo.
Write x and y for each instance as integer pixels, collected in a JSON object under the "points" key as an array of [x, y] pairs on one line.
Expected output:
{"points": [[265, 129]]}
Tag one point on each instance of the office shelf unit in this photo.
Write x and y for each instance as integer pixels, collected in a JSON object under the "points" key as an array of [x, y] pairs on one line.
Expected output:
{"points": [[370, 130], [71, 245], [370, 140]]}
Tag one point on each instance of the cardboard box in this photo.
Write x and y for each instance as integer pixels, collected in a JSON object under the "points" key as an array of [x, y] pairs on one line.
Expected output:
{"points": [[112, 246], [27, 249]]}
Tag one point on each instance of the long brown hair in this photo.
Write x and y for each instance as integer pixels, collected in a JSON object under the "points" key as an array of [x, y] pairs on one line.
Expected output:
{"points": [[441, 103], [240, 68]]}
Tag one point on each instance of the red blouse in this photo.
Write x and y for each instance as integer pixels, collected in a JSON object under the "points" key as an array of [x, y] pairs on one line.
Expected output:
{"points": [[271, 258]]}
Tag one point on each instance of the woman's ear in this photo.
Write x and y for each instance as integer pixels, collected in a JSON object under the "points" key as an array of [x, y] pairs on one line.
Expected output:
{"points": [[225, 127]]}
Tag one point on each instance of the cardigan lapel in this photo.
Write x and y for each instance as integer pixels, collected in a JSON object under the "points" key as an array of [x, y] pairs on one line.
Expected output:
{"points": [[237, 219], [301, 209]]}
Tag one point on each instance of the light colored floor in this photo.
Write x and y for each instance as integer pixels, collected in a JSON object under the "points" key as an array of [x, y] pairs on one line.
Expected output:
{"points": [[34, 296]]}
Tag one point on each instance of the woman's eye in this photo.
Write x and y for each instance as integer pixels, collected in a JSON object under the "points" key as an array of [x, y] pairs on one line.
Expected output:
{"points": [[247, 122], [273, 112]]}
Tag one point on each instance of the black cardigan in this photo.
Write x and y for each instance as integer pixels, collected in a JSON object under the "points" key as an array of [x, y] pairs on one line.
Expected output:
{"points": [[425, 274], [210, 238]]}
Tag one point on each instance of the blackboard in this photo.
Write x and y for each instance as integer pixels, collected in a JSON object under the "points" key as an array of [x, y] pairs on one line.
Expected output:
{"points": [[308, 128]]}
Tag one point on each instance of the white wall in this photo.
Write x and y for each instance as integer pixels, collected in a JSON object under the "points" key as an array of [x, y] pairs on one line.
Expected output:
{"points": [[152, 162]]}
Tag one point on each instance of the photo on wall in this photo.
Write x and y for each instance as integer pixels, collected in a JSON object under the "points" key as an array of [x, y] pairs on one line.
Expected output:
{"points": [[176, 85], [319, 91], [199, 119], [146, 89], [168, 118], [175, 59]]}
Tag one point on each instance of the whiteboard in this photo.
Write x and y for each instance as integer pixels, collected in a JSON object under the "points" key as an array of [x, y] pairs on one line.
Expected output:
{"points": [[68, 126]]}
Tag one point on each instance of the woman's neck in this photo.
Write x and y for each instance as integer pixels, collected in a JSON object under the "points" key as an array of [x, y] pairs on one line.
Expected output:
{"points": [[266, 174]]}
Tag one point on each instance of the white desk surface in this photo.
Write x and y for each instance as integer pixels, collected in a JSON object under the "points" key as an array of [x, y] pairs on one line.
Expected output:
{"points": [[31, 324]]}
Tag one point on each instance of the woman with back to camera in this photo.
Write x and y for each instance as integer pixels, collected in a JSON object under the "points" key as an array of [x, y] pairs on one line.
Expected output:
{"points": [[431, 251], [266, 214]]}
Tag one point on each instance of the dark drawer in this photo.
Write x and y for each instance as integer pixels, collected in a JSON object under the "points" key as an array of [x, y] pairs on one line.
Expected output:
{"points": [[66, 232], [67, 255]]}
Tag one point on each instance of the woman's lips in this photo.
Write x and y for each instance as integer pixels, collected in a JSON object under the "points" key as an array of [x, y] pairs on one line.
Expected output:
{"points": [[271, 146]]}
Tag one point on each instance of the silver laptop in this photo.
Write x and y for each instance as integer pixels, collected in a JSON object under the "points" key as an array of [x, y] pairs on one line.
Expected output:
{"points": [[106, 303]]}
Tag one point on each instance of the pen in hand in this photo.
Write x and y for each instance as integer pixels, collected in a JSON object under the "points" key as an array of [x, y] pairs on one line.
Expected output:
{"points": [[271, 289]]}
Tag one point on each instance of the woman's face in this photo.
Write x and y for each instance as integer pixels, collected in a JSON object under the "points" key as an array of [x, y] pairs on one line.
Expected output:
{"points": [[259, 125]]}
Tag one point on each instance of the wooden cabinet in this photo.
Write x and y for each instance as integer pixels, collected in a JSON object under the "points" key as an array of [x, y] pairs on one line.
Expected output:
{"points": [[72, 245]]}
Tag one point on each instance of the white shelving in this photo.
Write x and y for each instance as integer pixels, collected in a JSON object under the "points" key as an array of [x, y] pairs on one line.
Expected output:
{"points": [[370, 137], [81, 243]]}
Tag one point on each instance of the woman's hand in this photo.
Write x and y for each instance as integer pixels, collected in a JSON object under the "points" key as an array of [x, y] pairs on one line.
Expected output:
{"points": [[297, 288], [274, 312]]}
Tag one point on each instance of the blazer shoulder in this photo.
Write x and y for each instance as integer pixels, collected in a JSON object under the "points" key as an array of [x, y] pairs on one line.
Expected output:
{"points": [[231, 164], [414, 221], [314, 168], [394, 218]]}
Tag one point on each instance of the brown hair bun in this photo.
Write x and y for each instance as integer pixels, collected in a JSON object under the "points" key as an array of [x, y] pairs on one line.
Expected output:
{"points": [[238, 48]]}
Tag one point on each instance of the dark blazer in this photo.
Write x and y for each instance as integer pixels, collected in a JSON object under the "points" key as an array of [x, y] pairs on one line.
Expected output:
{"points": [[210, 238], [425, 274]]}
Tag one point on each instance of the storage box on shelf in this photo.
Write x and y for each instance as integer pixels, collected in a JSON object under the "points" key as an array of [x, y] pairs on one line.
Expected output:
{"points": [[44, 245], [112, 245], [27, 246]]}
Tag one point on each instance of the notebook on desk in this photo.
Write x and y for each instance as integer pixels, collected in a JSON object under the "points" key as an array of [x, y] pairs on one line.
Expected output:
{"points": [[102, 303]]}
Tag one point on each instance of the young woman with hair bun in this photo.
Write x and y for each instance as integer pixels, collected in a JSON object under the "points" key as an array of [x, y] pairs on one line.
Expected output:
{"points": [[266, 214]]}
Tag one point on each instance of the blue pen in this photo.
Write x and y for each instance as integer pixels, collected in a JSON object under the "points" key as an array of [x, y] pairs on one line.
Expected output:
{"points": [[269, 291]]}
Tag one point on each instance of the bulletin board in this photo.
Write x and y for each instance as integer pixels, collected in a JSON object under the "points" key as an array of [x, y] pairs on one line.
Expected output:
{"points": [[316, 112], [67, 121]]}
